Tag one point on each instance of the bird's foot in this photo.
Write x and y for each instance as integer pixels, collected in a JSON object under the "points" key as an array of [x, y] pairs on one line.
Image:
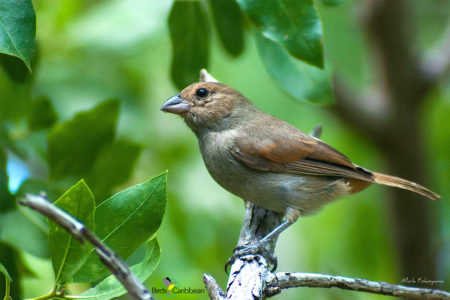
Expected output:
{"points": [[258, 248]]}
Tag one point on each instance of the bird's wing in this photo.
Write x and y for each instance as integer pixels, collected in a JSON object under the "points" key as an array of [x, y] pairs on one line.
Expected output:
{"points": [[283, 148]]}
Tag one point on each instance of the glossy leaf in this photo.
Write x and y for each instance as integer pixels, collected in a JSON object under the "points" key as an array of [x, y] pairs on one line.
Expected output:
{"points": [[229, 24], [293, 24], [17, 29], [73, 146], [113, 167], [110, 286], [189, 34], [26, 230], [300, 80], [68, 254], [125, 221], [42, 115]]}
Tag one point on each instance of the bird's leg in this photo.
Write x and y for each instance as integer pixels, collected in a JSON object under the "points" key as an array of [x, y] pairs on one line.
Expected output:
{"points": [[275, 232], [292, 215], [259, 247]]}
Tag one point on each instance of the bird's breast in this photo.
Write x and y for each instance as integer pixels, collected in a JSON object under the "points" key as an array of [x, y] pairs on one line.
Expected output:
{"points": [[222, 166]]}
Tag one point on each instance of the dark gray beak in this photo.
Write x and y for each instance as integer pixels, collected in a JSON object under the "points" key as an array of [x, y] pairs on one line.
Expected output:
{"points": [[176, 105]]}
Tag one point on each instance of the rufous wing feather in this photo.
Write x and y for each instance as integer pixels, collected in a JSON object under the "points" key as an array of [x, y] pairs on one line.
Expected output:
{"points": [[283, 148]]}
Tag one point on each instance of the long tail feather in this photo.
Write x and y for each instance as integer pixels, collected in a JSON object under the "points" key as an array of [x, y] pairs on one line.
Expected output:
{"points": [[404, 184]]}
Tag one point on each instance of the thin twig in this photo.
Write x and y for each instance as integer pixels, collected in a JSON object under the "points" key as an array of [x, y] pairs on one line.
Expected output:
{"points": [[118, 267], [288, 280], [213, 288]]}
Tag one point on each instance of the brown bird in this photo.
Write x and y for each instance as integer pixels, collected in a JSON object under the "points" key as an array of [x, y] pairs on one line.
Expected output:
{"points": [[267, 161]]}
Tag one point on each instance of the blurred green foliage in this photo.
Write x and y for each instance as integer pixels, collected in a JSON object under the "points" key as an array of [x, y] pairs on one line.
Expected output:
{"points": [[128, 50]]}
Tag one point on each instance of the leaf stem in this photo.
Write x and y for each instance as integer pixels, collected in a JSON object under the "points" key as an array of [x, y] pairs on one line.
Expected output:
{"points": [[50, 295]]}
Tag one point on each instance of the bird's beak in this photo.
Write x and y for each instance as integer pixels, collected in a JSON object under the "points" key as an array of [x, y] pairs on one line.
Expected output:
{"points": [[176, 105]]}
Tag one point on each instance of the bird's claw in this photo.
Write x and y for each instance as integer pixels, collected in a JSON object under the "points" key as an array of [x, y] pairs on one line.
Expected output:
{"points": [[253, 249]]}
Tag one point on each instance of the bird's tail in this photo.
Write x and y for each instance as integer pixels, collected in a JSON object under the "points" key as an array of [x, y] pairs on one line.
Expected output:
{"points": [[404, 184]]}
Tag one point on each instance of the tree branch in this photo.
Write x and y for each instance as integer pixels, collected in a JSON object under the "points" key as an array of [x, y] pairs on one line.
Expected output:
{"points": [[213, 288], [118, 267], [248, 272], [279, 281]]}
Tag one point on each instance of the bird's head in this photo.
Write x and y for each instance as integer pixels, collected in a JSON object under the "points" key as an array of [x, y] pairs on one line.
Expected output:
{"points": [[207, 105]]}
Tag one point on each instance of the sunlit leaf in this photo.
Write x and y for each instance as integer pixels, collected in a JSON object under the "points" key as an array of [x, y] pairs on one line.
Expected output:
{"points": [[189, 33], [113, 167], [230, 25], [73, 146], [68, 254], [42, 115], [110, 286], [293, 24], [298, 79], [17, 29], [125, 221]]}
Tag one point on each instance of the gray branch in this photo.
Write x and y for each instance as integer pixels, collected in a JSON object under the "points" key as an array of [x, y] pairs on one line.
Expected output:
{"points": [[118, 267], [213, 288], [248, 273], [279, 281]]}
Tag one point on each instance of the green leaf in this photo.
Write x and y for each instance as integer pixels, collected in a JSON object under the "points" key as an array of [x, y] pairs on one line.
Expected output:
{"points": [[6, 199], [125, 221], [302, 81], [229, 24], [293, 24], [113, 167], [26, 230], [35, 186], [8, 143], [110, 287], [189, 33], [8, 280], [333, 2], [5, 273], [68, 254], [17, 29], [15, 68], [42, 115], [73, 146], [10, 260]]}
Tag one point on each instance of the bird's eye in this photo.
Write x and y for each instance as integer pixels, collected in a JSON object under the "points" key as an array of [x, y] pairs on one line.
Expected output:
{"points": [[202, 93]]}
